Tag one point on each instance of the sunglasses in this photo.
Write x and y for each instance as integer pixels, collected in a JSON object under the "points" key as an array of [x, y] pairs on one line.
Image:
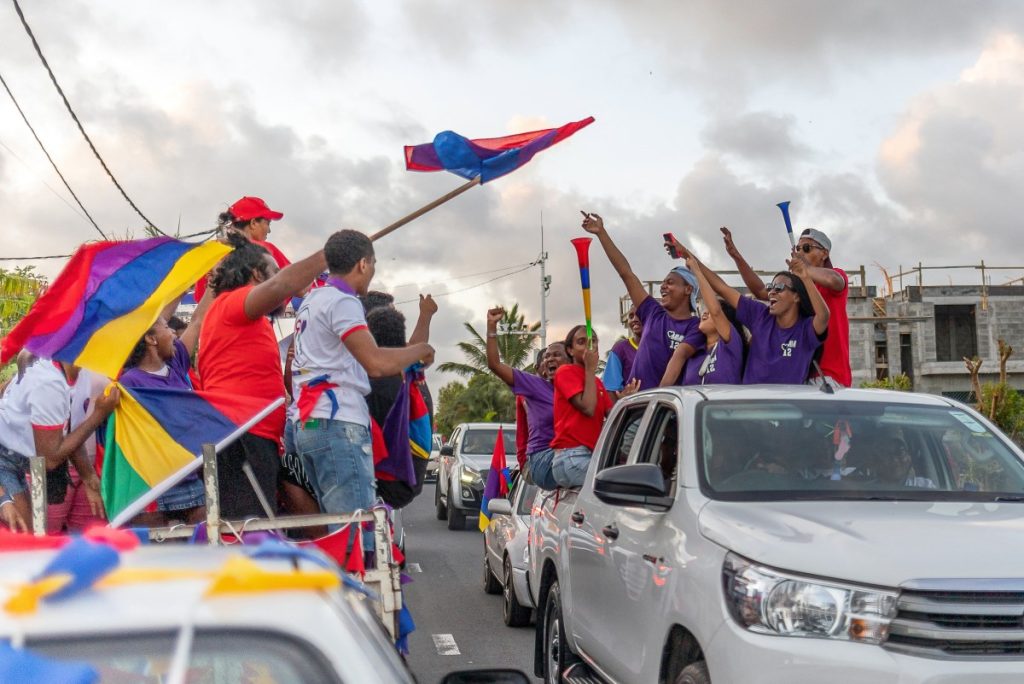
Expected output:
{"points": [[807, 247], [780, 287]]}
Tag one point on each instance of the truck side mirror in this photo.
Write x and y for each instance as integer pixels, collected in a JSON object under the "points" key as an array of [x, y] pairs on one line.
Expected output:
{"points": [[636, 484], [447, 450], [499, 507]]}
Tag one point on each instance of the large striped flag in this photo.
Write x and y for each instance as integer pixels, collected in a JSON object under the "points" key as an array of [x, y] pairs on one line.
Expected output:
{"points": [[485, 158], [105, 299], [155, 438], [498, 478]]}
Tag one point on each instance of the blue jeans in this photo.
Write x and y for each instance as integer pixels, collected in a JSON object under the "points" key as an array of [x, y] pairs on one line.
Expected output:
{"points": [[338, 459], [539, 468], [569, 467], [13, 467]]}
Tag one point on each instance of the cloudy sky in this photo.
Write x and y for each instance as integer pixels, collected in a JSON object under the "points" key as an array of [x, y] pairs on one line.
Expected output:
{"points": [[895, 127]]}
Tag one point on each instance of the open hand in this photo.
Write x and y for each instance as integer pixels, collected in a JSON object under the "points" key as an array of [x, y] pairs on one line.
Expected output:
{"points": [[93, 496], [592, 223], [730, 246], [12, 518]]}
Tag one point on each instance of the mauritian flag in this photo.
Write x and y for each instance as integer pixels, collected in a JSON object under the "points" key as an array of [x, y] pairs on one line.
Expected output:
{"points": [[497, 481], [155, 438], [406, 433], [485, 158], [105, 299]]}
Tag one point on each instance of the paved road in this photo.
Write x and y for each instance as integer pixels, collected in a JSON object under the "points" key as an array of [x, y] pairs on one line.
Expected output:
{"points": [[458, 626]]}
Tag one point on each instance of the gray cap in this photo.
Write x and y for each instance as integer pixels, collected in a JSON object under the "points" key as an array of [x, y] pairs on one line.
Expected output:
{"points": [[817, 236]]}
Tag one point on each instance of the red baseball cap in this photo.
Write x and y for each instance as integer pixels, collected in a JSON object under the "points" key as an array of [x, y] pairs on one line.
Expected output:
{"points": [[249, 208]]}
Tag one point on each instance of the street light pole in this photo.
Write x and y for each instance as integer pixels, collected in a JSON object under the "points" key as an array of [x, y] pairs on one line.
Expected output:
{"points": [[545, 283]]}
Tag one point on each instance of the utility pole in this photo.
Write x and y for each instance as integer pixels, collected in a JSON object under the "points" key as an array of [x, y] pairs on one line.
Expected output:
{"points": [[545, 285]]}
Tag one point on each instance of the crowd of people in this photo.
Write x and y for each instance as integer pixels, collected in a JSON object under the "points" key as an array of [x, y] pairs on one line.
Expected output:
{"points": [[702, 331], [347, 361]]}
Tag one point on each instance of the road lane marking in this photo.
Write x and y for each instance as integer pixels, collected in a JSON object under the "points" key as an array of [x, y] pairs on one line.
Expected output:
{"points": [[413, 567], [445, 644]]}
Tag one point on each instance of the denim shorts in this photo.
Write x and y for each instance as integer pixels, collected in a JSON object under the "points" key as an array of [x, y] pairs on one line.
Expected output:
{"points": [[13, 467], [187, 494], [569, 467], [539, 469], [338, 459]]}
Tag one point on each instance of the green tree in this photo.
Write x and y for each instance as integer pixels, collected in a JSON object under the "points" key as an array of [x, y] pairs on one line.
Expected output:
{"points": [[18, 291], [516, 340], [484, 399]]}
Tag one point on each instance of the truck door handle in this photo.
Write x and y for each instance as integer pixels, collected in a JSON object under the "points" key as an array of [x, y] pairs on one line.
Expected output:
{"points": [[610, 531], [577, 517]]}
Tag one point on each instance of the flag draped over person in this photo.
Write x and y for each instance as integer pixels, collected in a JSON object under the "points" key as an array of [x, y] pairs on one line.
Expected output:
{"points": [[405, 434], [497, 481], [485, 158], [155, 437], [106, 297]]}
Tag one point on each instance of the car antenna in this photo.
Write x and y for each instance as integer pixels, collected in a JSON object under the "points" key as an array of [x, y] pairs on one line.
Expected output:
{"points": [[825, 387]]}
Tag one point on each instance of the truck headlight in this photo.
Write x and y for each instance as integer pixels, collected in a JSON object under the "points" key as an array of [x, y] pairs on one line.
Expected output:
{"points": [[469, 476], [771, 602]]}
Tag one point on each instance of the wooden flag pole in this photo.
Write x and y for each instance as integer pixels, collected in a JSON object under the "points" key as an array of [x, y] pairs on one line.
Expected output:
{"points": [[423, 210]]}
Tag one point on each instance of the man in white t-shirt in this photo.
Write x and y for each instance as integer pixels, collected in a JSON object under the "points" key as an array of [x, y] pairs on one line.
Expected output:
{"points": [[34, 412], [335, 355]]}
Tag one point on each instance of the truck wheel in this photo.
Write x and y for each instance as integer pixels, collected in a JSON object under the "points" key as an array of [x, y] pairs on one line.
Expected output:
{"points": [[456, 521], [557, 656], [442, 512], [514, 613], [694, 673], [491, 584]]}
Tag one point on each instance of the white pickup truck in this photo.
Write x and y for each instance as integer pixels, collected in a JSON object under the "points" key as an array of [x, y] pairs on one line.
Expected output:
{"points": [[783, 534]]}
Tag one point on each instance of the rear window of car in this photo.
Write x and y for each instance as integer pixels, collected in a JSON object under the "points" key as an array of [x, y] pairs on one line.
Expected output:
{"points": [[481, 441], [220, 656], [853, 450]]}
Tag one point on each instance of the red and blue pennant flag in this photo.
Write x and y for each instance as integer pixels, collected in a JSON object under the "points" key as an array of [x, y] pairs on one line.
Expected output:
{"points": [[498, 479], [155, 437], [485, 158], [105, 299], [405, 434]]}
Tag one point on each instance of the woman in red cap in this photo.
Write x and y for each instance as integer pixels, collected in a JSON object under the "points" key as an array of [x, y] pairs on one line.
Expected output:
{"points": [[251, 217]]}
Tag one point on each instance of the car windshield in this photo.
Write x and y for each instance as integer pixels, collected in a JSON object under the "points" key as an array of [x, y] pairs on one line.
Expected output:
{"points": [[789, 450], [224, 657], [481, 441]]}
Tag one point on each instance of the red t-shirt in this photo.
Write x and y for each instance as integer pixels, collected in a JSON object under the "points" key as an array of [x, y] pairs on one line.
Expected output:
{"points": [[572, 428], [835, 353], [278, 255], [238, 355]]}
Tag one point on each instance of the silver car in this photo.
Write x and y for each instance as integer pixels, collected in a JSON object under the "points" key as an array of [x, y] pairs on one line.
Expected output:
{"points": [[462, 473], [506, 552]]}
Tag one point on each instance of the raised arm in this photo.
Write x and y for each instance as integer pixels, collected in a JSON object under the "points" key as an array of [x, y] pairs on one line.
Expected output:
{"points": [[502, 370], [821, 312], [750, 279], [594, 224], [711, 304], [421, 333], [711, 279], [826, 277], [190, 335], [381, 362], [287, 282]]}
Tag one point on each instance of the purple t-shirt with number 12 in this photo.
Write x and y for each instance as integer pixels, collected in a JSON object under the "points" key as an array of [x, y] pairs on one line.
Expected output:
{"points": [[540, 408], [662, 334], [777, 355]]}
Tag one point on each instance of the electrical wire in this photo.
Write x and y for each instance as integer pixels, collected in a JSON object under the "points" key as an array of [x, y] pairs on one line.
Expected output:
{"points": [[473, 287], [68, 256], [52, 163], [39, 51], [458, 277]]}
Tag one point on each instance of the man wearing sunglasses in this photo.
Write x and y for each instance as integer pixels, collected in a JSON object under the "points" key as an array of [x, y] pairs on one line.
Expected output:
{"points": [[813, 248]]}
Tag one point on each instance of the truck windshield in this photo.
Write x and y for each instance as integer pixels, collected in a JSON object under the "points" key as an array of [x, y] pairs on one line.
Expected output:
{"points": [[481, 441], [798, 450]]}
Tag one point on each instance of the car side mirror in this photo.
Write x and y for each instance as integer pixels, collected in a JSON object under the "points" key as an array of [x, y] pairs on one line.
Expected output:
{"points": [[499, 507], [447, 450], [636, 484]]}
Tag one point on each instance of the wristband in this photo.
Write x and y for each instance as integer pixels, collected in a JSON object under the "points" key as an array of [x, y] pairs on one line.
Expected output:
{"points": [[492, 334], [6, 499]]}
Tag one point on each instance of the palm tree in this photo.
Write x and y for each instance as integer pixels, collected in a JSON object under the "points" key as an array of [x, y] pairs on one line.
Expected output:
{"points": [[516, 340]]}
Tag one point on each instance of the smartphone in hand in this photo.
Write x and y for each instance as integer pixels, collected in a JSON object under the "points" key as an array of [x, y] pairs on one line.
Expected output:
{"points": [[670, 241]]}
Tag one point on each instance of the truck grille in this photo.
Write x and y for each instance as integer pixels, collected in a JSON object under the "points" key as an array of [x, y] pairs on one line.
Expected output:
{"points": [[958, 624]]}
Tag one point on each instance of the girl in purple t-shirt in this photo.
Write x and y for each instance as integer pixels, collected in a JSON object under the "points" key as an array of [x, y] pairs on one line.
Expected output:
{"points": [[783, 335], [721, 361]]}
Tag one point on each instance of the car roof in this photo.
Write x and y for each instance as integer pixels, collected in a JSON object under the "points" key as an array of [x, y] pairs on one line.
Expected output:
{"points": [[166, 604], [804, 392], [507, 426]]}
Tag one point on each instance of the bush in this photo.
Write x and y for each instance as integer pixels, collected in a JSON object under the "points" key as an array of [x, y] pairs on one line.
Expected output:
{"points": [[899, 382], [1004, 406]]}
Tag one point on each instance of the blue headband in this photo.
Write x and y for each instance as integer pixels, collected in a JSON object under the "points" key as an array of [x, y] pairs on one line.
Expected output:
{"points": [[687, 275]]}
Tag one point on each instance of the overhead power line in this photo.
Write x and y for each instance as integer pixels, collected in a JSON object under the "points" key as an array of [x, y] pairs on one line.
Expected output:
{"points": [[68, 256], [52, 163], [74, 116], [473, 287]]}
